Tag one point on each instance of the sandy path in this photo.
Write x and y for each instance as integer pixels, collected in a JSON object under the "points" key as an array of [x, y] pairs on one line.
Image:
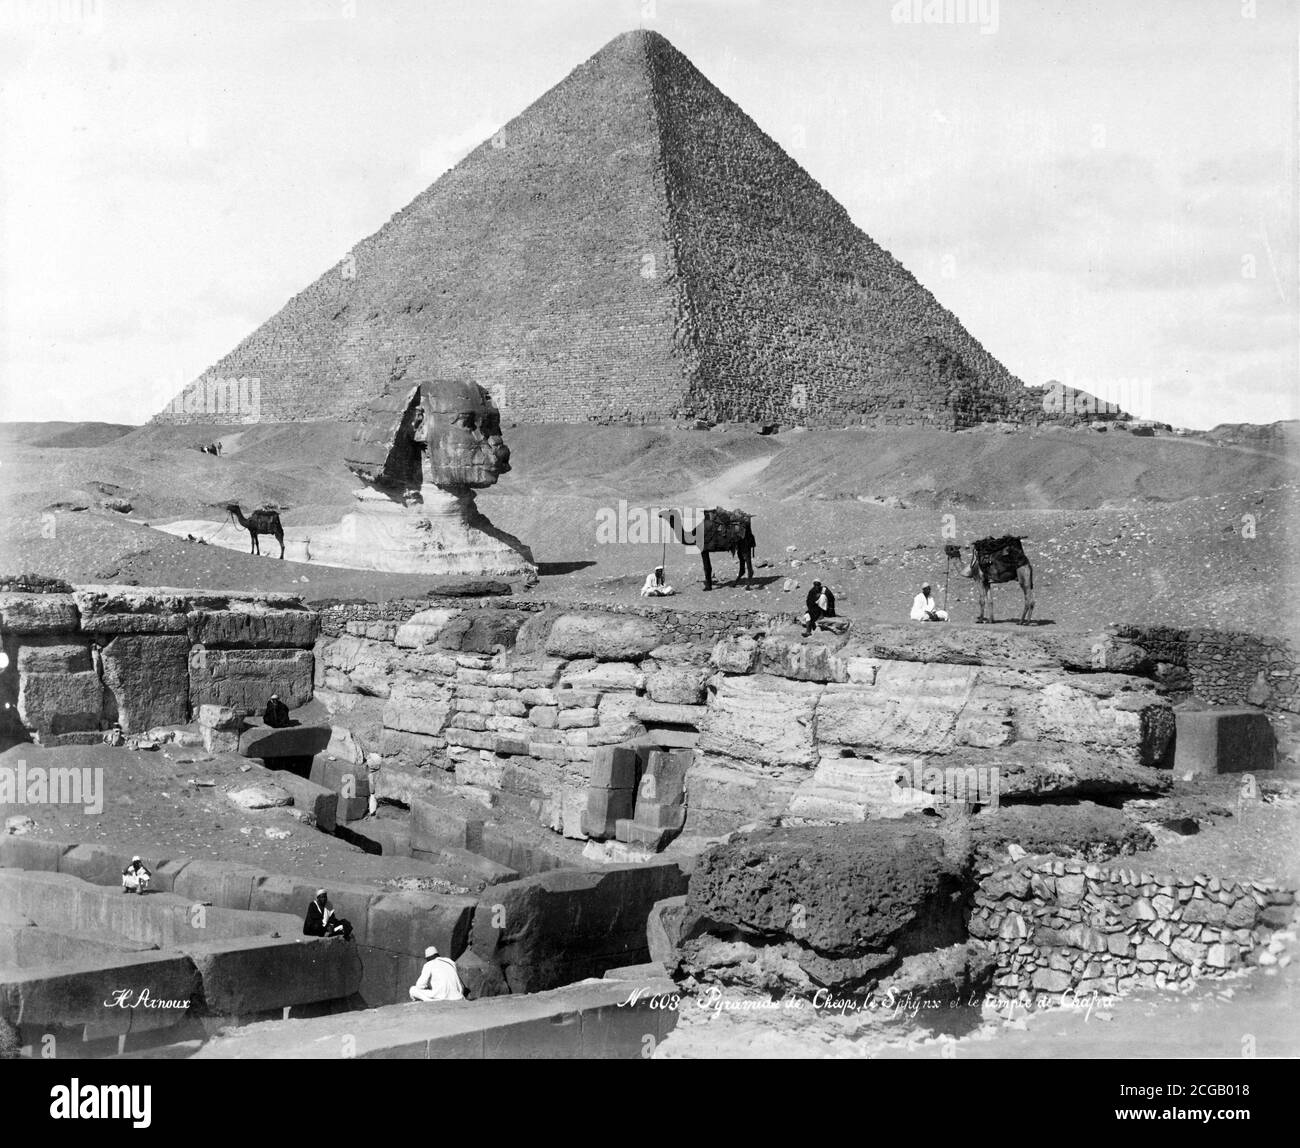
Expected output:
{"points": [[734, 480]]}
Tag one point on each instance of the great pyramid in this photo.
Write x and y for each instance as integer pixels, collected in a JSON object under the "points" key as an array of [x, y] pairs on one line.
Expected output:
{"points": [[630, 246]]}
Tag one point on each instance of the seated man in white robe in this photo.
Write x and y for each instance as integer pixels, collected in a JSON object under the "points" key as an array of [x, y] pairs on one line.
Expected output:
{"points": [[924, 608], [438, 980], [655, 587], [135, 877]]}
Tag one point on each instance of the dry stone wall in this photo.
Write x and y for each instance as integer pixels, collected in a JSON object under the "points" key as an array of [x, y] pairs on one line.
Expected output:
{"points": [[1062, 927], [81, 662], [1228, 668], [1225, 667]]}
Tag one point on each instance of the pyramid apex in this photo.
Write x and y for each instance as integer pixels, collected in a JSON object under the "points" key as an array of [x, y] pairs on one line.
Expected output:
{"points": [[637, 37]]}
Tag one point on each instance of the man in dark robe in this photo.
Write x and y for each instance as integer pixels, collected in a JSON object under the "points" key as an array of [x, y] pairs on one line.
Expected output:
{"points": [[745, 553], [820, 603], [277, 713], [322, 921]]}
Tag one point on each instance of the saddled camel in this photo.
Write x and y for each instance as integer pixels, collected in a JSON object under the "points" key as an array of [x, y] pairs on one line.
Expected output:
{"points": [[718, 531], [994, 560], [263, 521]]}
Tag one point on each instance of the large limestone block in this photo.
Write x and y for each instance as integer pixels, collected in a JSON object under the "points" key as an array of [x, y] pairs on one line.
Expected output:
{"points": [[289, 741], [407, 922], [149, 676], [1107, 711], [668, 712], [246, 679], [418, 705], [664, 930], [250, 625], [677, 685], [422, 629], [768, 721], [605, 637], [132, 610], [438, 823], [253, 974], [52, 704], [53, 655], [605, 676], [482, 631], [359, 664], [912, 708], [988, 646], [567, 924], [802, 661], [38, 613], [349, 782], [856, 789], [722, 794], [412, 748], [738, 655], [1225, 739], [73, 994]]}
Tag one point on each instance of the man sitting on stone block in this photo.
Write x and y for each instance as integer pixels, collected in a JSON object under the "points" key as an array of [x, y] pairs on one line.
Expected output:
{"points": [[322, 921], [277, 713], [135, 877], [438, 981], [821, 604]]}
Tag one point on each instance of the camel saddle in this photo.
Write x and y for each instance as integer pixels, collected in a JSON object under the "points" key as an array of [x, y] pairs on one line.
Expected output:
{"points": [[724, 529], [1000, 558]]}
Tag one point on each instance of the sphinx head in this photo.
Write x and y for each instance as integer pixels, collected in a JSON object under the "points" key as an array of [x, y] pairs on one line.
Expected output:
{"points": [[445, 433], [459, 428]]}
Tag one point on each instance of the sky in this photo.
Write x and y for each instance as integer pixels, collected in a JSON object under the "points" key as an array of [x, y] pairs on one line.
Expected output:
{"points": [[1103, 191]]}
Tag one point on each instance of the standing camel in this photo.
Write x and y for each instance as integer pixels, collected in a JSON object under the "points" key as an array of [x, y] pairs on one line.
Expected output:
{"points": [[264, 521], [716, 531], [995, 560]]}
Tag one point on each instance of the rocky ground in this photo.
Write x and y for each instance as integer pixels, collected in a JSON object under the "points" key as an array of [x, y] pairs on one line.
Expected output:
{"points": [[1182, 531], [174, 802], [1247, 1013]]}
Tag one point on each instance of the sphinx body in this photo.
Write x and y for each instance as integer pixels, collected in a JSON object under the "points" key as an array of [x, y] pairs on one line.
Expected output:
{"points": [[422, 451]]}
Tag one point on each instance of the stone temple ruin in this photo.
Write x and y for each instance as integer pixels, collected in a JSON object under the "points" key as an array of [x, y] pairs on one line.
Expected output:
{"points": [[578, 794], [581, 805], [630, 246]]}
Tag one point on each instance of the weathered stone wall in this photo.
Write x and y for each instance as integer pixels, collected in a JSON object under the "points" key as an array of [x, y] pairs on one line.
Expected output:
{"points": [[841, 728], [1225, 667], [80, 662], [1228, 668], [1061, 927], [674, 625], [516, 704]]}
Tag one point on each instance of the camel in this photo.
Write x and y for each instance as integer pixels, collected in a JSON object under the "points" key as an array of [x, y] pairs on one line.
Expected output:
{"points": [[264, 521], [719, 531], [995, 560]]}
